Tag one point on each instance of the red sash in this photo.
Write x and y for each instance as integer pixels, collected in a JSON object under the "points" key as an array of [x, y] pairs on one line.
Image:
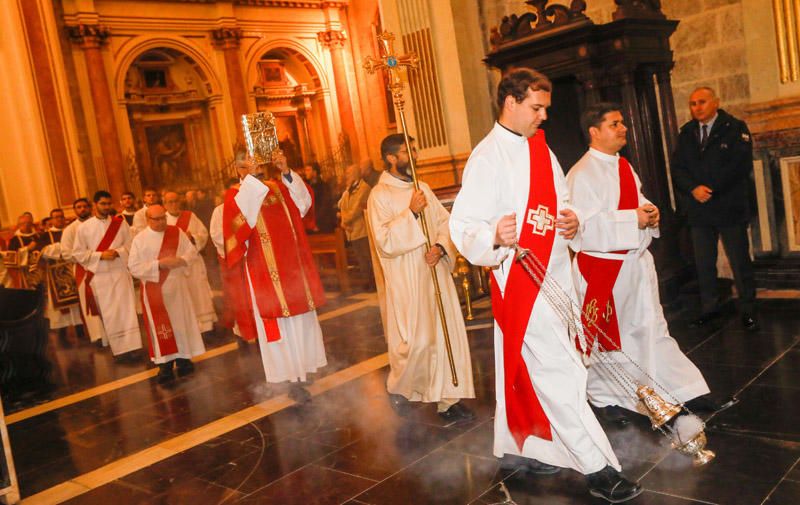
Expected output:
{"points": [[81, 274], [165, 336], [183, 220], [599, 313], [512, 312], [238, 307]]}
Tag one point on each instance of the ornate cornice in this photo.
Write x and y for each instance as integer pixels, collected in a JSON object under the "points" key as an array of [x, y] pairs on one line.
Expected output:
{"points": [[298, 4], [545, 17], [226, 38], [638, 9], [88, 36], [332, 38]]}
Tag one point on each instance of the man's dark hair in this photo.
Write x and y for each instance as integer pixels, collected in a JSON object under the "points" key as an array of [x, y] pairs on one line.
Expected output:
{"points": [[391, 144], [149, 188], [517, 81], [315, 167], [81, 199], [101, 194], [56, 210], [593, 116], [128, 193], [233, 181]]}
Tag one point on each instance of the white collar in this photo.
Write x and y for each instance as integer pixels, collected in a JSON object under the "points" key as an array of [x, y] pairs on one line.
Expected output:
{"points": [[507, 135], [609, 158]]}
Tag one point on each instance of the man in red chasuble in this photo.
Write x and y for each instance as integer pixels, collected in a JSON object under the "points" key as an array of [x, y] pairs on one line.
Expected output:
{"points": [[279, 287]]}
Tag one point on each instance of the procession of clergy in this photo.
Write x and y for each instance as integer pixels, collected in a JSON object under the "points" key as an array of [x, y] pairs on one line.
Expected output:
{"points": [[514, 195]]}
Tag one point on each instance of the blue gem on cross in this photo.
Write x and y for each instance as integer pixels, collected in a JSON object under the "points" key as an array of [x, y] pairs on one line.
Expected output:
{"points": [[391, 61]]}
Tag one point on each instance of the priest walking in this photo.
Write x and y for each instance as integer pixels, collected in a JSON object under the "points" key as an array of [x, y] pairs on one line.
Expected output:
{"points": [[615, 276], [264, 236], [197, 233], [514, 192], [419, 369], [160, 257], [101, 248], [63, 308]]}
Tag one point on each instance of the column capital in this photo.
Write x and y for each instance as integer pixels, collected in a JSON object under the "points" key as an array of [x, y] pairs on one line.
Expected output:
{"points": [[88, 36], [226, 38], [332, 38]]}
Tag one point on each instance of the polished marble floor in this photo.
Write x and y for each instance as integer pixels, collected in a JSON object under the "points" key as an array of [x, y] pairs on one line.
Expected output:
{"points": [[134, 444]]}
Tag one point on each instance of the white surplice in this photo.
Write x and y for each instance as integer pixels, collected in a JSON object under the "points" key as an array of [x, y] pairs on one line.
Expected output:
{"points": [[300, 350], [70, 315], [594, 188], [419, 366], [199, 289], [112, 283], [495, 183], [143, 264], [215, 232], [92, 324]]}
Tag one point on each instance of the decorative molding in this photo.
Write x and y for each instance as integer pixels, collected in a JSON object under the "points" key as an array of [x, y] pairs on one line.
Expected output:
{"points": [[786, 14], [226, 38], [638, 9], [332, 39], [773, 116], [545, 17], [88, 36]]}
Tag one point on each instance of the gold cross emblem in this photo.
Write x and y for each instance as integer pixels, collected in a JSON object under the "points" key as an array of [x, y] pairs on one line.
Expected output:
{"points": [[541, 219], [591, 312], [393, 64], [164, 333]]}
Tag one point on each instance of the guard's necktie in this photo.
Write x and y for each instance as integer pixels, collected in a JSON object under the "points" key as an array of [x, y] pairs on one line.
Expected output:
{"points": [[704, 136]]}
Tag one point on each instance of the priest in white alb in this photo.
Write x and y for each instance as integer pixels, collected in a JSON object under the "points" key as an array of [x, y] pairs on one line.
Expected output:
{"points": [[160, 257], [149, 197], [101, 248], [279, 289], [514, 192], [92, 322], [615, 276], [197, 233], [419, 369]]}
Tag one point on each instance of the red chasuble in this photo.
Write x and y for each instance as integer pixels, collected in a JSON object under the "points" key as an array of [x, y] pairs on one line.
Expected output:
{"points": [[599, 312], [512, 311], [83, 275], [165, 336], [282, 271]]}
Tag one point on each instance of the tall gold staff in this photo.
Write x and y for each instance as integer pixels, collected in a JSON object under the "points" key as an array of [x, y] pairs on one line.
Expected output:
{"points": [[392, 64]]}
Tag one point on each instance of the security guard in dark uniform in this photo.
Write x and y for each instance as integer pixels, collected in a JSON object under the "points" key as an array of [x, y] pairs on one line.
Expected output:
{"points": [[711, 172]]}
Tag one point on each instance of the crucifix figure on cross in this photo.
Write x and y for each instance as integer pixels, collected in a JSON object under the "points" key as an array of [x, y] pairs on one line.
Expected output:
{"points": [[541, 219], [393, 64]]}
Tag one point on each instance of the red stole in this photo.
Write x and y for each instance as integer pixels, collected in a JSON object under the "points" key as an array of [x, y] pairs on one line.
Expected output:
{"points": [[512, 311], [155, 299], [238, 307], [282, 272], [81, 274], [599, 313], [183, 220]]}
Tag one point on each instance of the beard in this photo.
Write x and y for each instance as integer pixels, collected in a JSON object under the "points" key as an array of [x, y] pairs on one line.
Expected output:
{"points": [[405, 169]]}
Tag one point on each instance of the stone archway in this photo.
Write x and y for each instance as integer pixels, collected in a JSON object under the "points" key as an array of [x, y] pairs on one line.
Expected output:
{"points": [[166, 94]]}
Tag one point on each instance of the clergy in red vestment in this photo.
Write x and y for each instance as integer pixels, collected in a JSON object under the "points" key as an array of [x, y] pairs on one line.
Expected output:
{"points": [[280, 289]]}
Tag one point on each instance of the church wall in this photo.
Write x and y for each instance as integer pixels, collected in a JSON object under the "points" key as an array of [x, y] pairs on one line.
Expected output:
{"points": [[26, 181]]}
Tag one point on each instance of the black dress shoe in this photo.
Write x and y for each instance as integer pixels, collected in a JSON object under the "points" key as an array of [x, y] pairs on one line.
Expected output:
{"points": [[299, 394], [528, 465], [165, 373], [704, 320], [613, 414], [612, 486], [184, 366], [749, 322], [400, 404], [708, 403], [457, 413]]}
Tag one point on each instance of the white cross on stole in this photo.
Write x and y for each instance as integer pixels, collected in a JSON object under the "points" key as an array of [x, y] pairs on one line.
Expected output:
{"points": [[541, 219]]}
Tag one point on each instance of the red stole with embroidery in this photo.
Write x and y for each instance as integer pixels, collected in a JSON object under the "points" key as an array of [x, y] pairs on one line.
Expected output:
{"points": [[183, 220], [81, 274], [512, 310], [165, 336], [599, 313]]}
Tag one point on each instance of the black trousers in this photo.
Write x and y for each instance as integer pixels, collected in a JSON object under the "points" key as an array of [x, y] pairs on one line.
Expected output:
{"points": [[737, 247]]}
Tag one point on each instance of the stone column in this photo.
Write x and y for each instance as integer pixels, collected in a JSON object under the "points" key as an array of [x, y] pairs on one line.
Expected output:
{"points": [[227, 40], [334, 41], [91, 38]]}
